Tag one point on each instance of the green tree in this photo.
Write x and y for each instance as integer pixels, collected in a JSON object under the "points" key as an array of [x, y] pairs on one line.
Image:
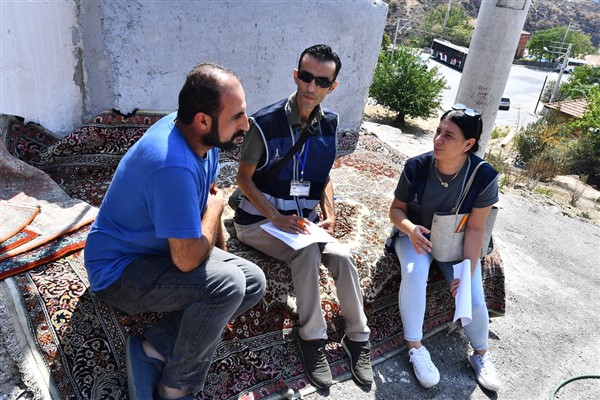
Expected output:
{"points": [[457, 28], [403, 84], [583, 79], [578, 86], [582, 43]]}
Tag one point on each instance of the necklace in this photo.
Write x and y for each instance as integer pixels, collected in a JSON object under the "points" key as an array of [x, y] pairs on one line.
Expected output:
{"points": [[442, 182]]}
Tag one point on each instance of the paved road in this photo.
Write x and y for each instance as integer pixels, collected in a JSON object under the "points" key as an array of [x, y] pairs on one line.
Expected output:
{"points": [[523, 88]]}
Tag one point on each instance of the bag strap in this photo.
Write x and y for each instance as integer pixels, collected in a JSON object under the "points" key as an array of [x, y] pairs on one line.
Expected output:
{"points": [[467, 187], [305, 134]]}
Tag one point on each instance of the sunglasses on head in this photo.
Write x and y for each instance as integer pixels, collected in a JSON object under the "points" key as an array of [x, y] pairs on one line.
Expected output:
{"points": [[320, 81], [468, 111]]}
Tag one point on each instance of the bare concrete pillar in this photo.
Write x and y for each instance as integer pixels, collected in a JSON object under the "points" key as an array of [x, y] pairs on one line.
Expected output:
{"points": [[493, 46]]}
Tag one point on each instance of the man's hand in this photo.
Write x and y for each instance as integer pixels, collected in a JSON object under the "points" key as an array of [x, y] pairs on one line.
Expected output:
{"points": [[215, 200], [188, 254], [290, 223], [328, 225]]}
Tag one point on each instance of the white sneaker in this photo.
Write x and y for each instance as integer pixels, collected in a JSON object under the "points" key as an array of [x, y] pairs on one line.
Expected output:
{"points": [[426, 372], [485, 371]]}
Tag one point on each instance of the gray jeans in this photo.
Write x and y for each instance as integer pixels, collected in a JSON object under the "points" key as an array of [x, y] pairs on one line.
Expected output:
{"points": [[198, 304]]}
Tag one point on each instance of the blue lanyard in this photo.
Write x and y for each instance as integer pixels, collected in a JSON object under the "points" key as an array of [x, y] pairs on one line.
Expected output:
{"points": [[302, 161]]}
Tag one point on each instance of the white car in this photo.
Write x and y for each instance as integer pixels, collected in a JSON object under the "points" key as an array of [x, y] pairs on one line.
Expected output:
{"points": [[504, 103]]}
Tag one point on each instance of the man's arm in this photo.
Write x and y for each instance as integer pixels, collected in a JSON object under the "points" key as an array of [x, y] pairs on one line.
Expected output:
{"points": [[328, 207], [287, 223], [188, 254]]}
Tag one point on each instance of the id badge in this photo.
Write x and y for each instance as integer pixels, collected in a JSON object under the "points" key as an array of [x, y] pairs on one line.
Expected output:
{"points": [[299, 188]]}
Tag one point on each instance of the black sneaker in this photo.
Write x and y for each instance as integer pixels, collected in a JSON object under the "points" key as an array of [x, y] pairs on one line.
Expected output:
{"points": [[360, 360], [315, 362]]}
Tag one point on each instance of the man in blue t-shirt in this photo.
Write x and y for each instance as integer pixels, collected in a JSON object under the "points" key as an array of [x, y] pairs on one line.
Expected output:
{"points": [[157, 242]]}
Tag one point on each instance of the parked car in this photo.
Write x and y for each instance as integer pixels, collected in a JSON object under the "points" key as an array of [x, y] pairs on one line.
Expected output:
{"points": [[504, 103]]}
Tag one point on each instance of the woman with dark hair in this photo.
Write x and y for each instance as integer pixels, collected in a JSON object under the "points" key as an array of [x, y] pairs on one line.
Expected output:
{"points": [[432, 182]]}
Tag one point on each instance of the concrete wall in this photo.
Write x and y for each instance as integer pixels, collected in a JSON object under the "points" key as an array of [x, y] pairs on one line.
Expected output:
{"points": [[41, 71], [136, 53]]}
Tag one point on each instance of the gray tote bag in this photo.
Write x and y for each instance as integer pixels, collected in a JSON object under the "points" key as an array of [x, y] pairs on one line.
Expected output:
{"points": [[448, 229]]}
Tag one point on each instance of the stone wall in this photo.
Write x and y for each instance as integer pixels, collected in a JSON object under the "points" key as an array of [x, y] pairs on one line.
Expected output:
{"points": [[67, 61]]}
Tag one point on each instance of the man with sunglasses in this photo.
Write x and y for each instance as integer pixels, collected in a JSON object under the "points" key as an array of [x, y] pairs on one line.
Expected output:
{"points": [[286, 192]]}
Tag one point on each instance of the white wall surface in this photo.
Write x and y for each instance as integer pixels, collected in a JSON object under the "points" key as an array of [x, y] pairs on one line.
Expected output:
{"points": [[145, 49], [40, 54], [136, 53]]}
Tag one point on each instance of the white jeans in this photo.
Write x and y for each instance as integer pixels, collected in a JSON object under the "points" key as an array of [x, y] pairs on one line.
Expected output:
{"points": [[411, 297]]}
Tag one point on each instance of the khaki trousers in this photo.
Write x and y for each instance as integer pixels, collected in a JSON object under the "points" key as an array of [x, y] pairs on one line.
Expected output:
{"points": [[304, 264]]}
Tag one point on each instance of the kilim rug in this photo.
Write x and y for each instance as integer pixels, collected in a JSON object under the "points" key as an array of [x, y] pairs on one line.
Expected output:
{"points": [[18, 239], [81, 341], [66, 243], [21, 216], [35, 213]]}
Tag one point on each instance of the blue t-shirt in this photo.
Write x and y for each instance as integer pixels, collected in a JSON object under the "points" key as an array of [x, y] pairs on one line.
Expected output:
{"points": [[159, 191]]}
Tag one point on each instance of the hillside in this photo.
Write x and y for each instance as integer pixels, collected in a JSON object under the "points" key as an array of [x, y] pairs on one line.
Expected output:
{"points": [[543, 14]]}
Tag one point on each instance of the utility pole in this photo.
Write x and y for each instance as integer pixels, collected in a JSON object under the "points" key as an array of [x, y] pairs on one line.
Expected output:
{"points": [[446, 19], [492, 50], [566, 33], [395, 35], [562, 69], [540, 96]]}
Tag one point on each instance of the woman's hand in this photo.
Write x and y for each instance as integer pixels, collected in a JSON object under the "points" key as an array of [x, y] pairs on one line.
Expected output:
{"points": [[420, 242], [454, 284]]}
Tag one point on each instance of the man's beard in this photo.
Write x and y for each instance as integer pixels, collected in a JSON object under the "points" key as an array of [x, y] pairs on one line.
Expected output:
{"points": [[213, 140]]}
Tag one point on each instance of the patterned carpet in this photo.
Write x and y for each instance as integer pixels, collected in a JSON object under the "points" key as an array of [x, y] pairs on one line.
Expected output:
{"points": [[82, 341]]}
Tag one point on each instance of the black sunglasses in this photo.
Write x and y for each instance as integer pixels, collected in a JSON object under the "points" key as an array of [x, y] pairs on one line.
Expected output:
{"points": [[307, 77], [468, 111]]}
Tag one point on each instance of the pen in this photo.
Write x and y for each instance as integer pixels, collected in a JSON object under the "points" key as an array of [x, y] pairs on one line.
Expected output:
{"points": [[301, 222], [463, 221]]}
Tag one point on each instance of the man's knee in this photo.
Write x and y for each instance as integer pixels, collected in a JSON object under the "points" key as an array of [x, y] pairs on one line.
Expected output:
{"points": [[256, 282], [232, 285]]}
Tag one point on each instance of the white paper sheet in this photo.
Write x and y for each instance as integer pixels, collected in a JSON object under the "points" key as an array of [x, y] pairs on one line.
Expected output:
{"points": [[298, 241], [463, 306]]}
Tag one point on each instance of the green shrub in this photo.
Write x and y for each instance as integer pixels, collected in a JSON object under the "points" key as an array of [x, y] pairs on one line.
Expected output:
{"points": [[499, 133], [585, 214], [545, 191], [386, 42], [496, 160], [541, 146], [546, 165], [538, 137], [403, 84], [583, 156]]}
